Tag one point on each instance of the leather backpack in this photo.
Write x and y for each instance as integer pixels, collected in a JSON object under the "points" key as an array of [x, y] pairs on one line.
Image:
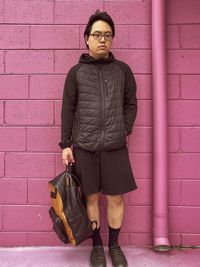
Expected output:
{"points": [[68, 209]]}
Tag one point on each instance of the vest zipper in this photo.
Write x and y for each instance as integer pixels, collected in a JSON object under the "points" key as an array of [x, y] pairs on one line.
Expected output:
{"points": [[102, 110]]}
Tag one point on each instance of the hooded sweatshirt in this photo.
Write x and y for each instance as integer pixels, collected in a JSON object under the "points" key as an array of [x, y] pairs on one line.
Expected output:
{"points": [[99, 104]]}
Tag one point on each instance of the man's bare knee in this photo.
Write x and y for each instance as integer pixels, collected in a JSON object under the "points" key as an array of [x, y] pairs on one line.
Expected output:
{"points": [[115, 200]]}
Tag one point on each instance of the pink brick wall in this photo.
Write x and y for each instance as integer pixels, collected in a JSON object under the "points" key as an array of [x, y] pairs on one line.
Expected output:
{"points": [[40, 41], [184, 143]]}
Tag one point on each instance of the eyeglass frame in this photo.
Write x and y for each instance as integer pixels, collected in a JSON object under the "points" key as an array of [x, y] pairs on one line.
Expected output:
{"points": [[102, 35]]}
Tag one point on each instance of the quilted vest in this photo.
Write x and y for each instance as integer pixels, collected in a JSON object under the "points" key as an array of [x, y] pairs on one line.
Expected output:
{"points": [[99, 117]]}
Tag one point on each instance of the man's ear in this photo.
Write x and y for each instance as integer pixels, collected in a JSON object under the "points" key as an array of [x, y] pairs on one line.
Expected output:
{"points": [[86, 39]]}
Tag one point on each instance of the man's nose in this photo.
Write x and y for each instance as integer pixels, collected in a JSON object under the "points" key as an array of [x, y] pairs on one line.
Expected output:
{"points": [[102, 38]]}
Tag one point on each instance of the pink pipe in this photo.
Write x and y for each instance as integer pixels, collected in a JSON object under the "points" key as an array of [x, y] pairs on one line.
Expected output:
{"points": [[160, 153]]}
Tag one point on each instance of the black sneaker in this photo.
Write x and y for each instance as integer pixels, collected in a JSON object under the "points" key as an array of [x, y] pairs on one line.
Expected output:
{"points": [[97, 257], [117, 256]]}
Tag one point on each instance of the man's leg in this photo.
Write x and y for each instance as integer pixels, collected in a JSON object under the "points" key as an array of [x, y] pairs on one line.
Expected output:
{"points": [[97, 256], [115, 210], [93, 209], [115, 213]]}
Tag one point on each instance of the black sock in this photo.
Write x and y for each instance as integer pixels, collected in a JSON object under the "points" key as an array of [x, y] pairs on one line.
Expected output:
{"points": [[96, 237], [113, 235]]}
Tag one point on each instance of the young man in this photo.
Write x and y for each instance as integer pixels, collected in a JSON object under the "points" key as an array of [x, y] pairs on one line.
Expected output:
{"points": [[98, 111]]}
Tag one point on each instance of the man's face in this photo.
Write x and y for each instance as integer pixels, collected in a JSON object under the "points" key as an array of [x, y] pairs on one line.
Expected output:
{"points": [[99, 46]]}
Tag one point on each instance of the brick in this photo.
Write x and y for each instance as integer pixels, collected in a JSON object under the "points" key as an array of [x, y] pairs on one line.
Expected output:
{"points": [[184, 112], [29, 165], [184, 61], [13, 37], [190, 87], [43, 239], [143, 194], [88, 242], [137, 219], [144, 86], [38, 191], [43, 139], [141, 239], [190, 139], [179, 214], [1, 61], [144, 113], [1, 164], [174, 191], [190, 193], [173, 86], [32, 11], [140, 140], [75, 12], [1, 11], [29, 112], [13, 191], [175, 239], [183, 11], [138, 60], [14, 87], [138, 161], [140, 36], [59, 165], [46, 86], [29, 61], [12, 239], [64, 60], [184, 166], [190, 239], [12, 139], [190, 36], [122, 12], [15, 218], [172, 37], [81, 36], [58, 105], [1, 112], [51, 37], [173, 139]]}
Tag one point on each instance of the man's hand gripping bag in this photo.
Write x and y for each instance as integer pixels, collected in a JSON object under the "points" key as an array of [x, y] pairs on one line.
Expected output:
{"points": [[68, 211]]}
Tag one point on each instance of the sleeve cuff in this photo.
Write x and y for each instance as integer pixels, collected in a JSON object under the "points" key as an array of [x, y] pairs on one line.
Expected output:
{"points": [[64, 145]]}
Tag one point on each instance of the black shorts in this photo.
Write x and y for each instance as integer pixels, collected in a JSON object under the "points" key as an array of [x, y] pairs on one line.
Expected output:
{"points": [[106, 171]]}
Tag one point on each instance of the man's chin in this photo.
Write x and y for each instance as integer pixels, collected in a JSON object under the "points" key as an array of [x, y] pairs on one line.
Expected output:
{"points": [[103, 53]]}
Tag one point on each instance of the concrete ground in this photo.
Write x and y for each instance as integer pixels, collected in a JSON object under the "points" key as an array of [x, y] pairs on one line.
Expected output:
{"points": [[79, 257]]}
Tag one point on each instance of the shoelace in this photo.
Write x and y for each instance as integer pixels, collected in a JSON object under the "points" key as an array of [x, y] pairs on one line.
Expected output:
{"points": [[117, 253], [98, 252]]}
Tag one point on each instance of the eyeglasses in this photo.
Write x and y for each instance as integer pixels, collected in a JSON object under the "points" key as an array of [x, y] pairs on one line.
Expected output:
{"points": [[98, 35]]}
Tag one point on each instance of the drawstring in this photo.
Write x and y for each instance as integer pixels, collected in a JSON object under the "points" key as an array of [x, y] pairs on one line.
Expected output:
{"points": [[95, 157]]}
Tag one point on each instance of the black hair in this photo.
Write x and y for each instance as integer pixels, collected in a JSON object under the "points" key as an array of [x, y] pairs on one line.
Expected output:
{"points": [[99, 15]]}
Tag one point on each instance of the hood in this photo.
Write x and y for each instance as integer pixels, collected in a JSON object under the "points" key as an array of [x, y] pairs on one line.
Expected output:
{"points": [[86, 58]]}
